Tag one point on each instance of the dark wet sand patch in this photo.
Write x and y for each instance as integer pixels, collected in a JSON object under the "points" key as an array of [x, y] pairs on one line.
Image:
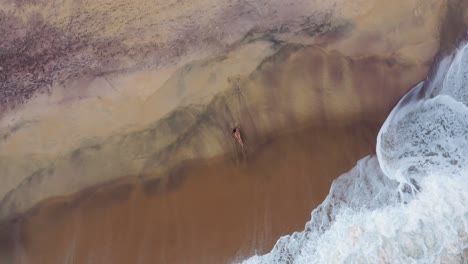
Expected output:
{"points": [[209, 211]]}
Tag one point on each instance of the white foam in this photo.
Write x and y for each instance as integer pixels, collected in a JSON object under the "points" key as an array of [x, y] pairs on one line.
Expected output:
{"points": [[410, 203]]}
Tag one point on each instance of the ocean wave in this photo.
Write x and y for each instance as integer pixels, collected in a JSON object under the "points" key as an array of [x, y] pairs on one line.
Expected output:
{"points": [[408, 204]]}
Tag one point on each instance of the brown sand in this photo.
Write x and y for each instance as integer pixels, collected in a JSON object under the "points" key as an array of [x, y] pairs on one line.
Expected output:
{"points": [[270, 66], [207, 212], [297, 86]]}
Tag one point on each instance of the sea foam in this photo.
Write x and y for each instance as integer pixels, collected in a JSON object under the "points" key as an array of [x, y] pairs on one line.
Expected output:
{"points": [[408, 204]]}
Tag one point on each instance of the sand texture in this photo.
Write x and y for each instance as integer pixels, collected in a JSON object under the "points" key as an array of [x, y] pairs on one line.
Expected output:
{"points": [[118, 115]]}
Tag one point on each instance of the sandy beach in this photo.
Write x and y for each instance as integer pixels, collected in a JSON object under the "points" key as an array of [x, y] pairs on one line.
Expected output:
{"points": [[116, 143]]}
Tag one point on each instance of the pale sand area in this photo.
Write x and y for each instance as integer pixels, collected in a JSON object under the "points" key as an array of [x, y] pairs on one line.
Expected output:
{"points": [[299, 64]]}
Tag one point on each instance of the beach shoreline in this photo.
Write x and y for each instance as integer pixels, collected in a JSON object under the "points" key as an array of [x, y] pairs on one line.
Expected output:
{"points": [[213, 160]]}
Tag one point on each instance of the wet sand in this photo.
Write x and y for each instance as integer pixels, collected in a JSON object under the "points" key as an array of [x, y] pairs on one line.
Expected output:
{"points": [[207, 212], [73, 149], [154, 98]]}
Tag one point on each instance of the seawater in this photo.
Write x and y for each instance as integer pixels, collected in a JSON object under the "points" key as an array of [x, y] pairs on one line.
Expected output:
{"points": [[407, 204]]}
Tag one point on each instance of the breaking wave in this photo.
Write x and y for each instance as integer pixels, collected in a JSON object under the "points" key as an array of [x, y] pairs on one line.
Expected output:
{"points": [[408, 204]]}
